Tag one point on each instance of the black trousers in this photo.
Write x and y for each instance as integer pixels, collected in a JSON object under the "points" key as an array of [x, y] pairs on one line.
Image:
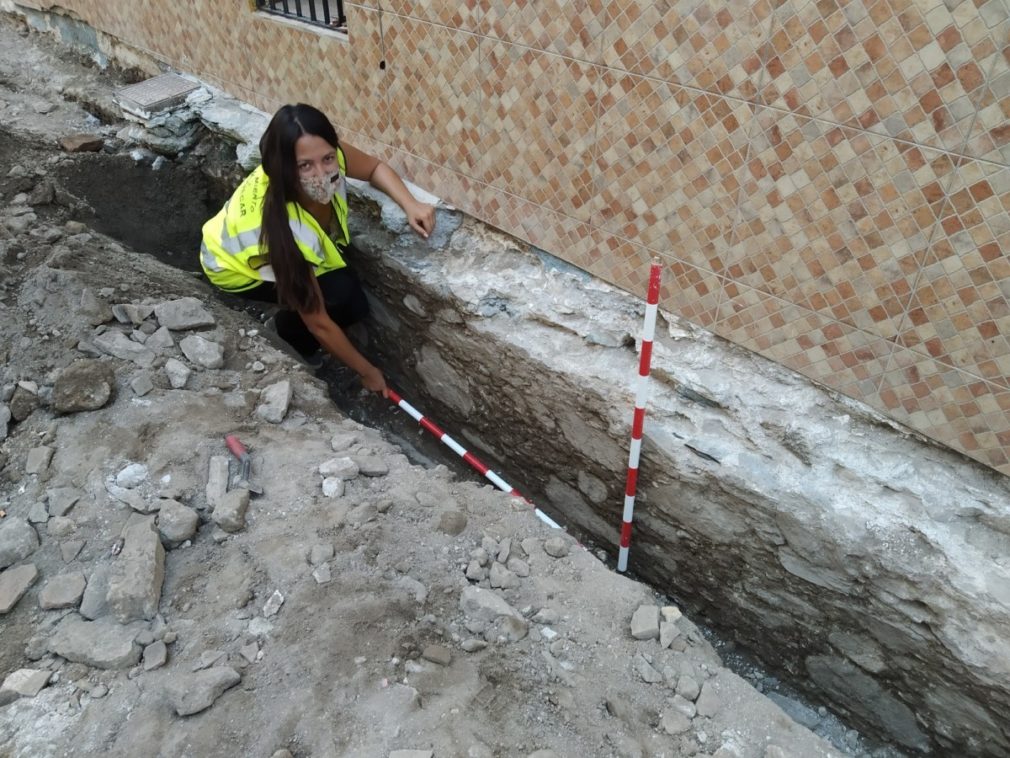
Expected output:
{"points": [[343, 297]]}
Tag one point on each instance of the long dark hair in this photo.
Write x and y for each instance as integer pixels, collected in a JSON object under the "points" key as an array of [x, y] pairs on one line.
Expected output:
{"points": [[277, 147]]}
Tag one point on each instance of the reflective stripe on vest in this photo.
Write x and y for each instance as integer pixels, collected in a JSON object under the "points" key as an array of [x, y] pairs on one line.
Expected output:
{"points": [[231, 254]]}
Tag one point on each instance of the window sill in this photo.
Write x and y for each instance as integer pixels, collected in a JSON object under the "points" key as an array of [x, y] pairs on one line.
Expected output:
{"points": [[305, 26]]}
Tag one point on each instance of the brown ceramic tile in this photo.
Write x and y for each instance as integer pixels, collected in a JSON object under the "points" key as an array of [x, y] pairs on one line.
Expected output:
{"points": [[669, 161], [710, 44], [990, 134], [960, 311], [539, 126], [690, 292], [456, 14], [566, 27], [829, 352], [903, 68], [949, 406], [836, 220], [434, 89]]}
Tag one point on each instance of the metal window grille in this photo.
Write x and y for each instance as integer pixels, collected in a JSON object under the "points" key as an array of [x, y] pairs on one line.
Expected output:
{"points": [[328, 13]]}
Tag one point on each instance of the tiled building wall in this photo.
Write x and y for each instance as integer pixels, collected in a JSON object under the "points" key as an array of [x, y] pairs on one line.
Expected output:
{"points": [[827, 181]]}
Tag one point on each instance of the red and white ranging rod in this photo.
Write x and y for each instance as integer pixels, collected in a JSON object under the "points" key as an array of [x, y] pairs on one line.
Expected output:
{"points": [[638, 420], [467, 456]]}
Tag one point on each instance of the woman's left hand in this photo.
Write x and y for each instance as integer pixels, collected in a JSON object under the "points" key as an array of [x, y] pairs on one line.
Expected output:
{"points": [[421, 218]]}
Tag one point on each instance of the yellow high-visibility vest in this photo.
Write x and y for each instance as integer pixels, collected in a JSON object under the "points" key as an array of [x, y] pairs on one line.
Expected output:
{"points": [[231, 255]]}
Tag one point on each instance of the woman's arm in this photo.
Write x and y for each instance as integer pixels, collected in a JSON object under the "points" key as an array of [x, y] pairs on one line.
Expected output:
{"points": [[368, 168], [334, 341]]}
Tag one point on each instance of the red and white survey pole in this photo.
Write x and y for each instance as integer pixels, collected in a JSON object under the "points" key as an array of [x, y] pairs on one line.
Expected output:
{"points": [[638, 420], [463, 453]]}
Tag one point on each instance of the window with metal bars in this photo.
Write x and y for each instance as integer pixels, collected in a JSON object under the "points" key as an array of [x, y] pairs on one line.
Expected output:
{"points": [[328, 13]]}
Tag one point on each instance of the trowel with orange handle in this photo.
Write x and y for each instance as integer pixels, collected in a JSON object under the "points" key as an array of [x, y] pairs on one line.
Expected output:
{"points": [[242, 480]]}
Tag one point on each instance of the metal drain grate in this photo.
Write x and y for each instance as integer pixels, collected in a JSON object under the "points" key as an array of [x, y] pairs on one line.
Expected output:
{"points": [[153, 95]]}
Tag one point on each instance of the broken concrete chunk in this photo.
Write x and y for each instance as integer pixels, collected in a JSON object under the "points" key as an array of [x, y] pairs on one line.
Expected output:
{"points": [[14, 583], [63, 591], [192, 693], [709, 702], [178, 373], [18, 540], [229, 513], [103, 644], [202, 351], [138, 574], [38, 460], [274, 402], [670, 613], [184, 313], [118, 345], [645, 623], [85, 385]]}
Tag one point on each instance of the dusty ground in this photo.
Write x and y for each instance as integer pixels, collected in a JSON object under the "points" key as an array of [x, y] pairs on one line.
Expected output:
{"points": [[381, 644]]}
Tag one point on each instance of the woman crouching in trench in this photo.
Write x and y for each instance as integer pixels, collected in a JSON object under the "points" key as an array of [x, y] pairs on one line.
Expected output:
{"points": [[280, 237]]}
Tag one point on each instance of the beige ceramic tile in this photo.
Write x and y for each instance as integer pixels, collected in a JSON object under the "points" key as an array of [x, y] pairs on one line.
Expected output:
{"points": [[836, 220], [668, 163], [566, 27], [539, 126], [711, 44], [455, 14], [434, 92]]}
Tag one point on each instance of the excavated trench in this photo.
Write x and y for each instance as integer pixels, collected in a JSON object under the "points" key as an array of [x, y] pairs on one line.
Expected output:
{"points": [[520, 419]]}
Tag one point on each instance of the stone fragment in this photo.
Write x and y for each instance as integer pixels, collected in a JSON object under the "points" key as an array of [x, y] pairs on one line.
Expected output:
{"points": [[176, 523], [99, 691], [501, 577], [38, 460], [504, 550], [486, 606], [94, 311], [138, 573], [129, 497], [178, 373], [132, 475], [372, 465], [645, 623], [60, 526], [184, 313], [63, 591], [229, 513], [437, 654], [250, 652], [209, 658], [333, 486], [202, 351], [273, 604], [362, 514], [95, 604], [14, 583], [131, 313], [71, 549], [708, 702], [23, 683], [688, 688], [38, 514], [321, 553], [684, 705], [18, 540], [5, 420], [217, 480], [518, 567], [322, 574], [546, 616], [343, 441], [24, 400], [451, 522], [647, 671], [675, 722], [155, 655], [412, 754], [85, 385], [103, 644], [82, 143], [670, 613], [556, 547], [192, 693], [160, 339], [472, 645], [282, 754], [474, 571], [141, 384], [343, 468], [62, 499], [274, 402], [118, 345], [667, 633]]}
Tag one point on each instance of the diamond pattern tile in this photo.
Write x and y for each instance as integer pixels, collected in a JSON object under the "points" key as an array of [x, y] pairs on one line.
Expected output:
{"points": [[836, 220], [669, 161], [455, 14], [710, 44], [905, 68], [435, 90], [561, 235], [829, 352], [960, 309], [990, 134], [364, 56], [566, 27], [539, 126], [948, 405], [690, 292]]}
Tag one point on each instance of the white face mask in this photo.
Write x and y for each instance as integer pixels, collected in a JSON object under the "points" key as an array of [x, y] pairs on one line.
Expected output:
{"points": [[321, 188]]}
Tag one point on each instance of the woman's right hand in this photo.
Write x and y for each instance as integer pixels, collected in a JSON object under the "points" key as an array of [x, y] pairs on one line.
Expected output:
{"points": [[373, 381]]}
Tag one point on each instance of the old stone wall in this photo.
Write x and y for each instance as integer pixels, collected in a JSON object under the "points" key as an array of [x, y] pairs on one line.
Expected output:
{"points": [[827, 183], [839, 547]]}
